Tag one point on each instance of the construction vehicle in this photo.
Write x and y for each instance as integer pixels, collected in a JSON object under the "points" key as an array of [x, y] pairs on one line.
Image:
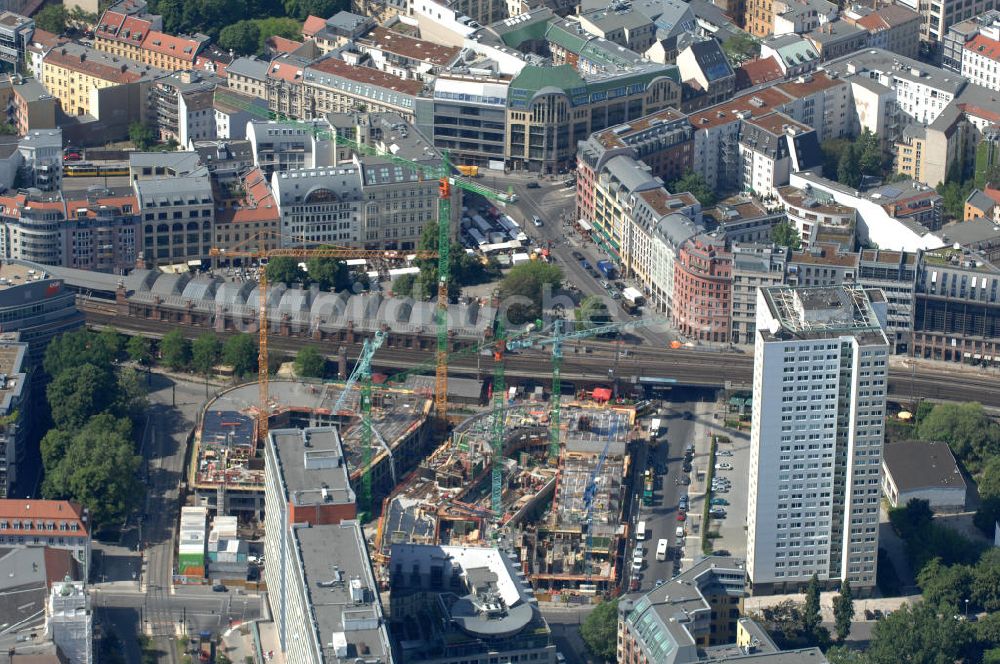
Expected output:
{"points": [[442, 172], [468, 171]]}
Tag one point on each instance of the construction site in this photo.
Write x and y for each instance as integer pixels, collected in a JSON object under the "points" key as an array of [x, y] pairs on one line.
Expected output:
{"points": [[561, 516], [227, 464]]}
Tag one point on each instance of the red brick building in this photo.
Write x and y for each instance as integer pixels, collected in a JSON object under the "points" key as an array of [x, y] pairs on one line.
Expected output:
{"points": [[703, 289]]}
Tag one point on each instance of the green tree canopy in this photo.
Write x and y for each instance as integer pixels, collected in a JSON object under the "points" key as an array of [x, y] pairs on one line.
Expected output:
{"points": [[402, 286], [142, 137], [78, 394], [114, 341], [945, 587], [52, 18], [989, 479], [243, 37], [130, 400], [599, 630], [309, 363], [810, 612], [970, 433], [240, 352], [785, 235], [522, 290], [740, 48], [696, 185], [139, 349], [918, 635], [74, 349], [329, 274], [280, 26], [205, 353], [843, 611], [175, 350], [285, 270]]}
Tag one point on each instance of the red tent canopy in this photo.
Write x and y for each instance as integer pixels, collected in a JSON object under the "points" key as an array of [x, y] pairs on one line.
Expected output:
{"points": [[601, 394]]}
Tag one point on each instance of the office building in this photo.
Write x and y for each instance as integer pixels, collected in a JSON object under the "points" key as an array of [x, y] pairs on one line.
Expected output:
{"points": [[35, 306], [703, 289], [15, 35], [895, 274], [41, 159], [486, 611], [69, 621], [177, 216], [819, 398]]}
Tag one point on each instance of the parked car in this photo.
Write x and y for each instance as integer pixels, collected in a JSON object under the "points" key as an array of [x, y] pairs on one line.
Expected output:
{"points": [[689, 449], [72, 156], [723, 453], [577, 255], [723, 466], [659, 582], [534, 185], [683, 480], [719, 501], [687, 415], [536, 220], [717, 511], [219, 588], [720, 489], [686, 467], [633, 585], [682, 516]]}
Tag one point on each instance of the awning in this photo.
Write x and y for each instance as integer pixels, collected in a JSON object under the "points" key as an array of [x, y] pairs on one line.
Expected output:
{"points": [[585, 225], [601, 394]]}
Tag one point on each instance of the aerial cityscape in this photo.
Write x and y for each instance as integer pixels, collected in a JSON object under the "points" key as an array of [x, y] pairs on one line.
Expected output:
{"points": [[499, 332]]}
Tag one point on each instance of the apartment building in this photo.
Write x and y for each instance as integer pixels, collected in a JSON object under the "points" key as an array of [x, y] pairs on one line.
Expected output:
{"points": [[766, 17], [284, 145], [817, 217], [321, 589], [41, 159], [697, 609], [771, 147], [404, 56], [177, 216], [76, 75], [621, 178], [338, 30], [938, 17], [956, 314], [98, 231], [895, 274], [14, 427], [487, 611], [248, 76], [250, 219], [826, 265], [706, 75], [126, 31], [27, 104], [702, 299], [837, 38], [69, 621], [894, 28], [922, 91], [335, 86], [660, 223], [819, 396], [981, 57], [663, 141], [925, 153], [56, 524], [182, 106], [794, 54], [953, 44], [755, 265]]}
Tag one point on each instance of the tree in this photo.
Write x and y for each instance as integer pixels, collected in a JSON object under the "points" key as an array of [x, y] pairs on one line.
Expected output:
{"points": [[98, 469], [114, 341], [77, 395], [175, 350], [849, 167], [810, 612], [843, 611], [131, 400], [871, 159], [402, 286], [911, 519], [740, 48], [986, 581], [243, 37], [987, 515], [524, 288], [52, 18], [918, 635], [953, 195], [309, 363], [205, 353], [593, 311], [53, 446], [279, 26], [240, 352], [695, 184], [73, 349], [945, 587], [989, 479], [599, 630], [786, 235], [330, 274], [844, 655], [141, 136], [139, 350], [970, 433], [285, 270]]}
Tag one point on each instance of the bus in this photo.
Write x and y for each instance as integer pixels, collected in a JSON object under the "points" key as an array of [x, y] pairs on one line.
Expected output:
{"points": [[477, 237], [640, 531], [661, 550]]}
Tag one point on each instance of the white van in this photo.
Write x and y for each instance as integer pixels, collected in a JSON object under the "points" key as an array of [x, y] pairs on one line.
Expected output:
{"points": [[640, 531], [661, 549], [679, 532]]}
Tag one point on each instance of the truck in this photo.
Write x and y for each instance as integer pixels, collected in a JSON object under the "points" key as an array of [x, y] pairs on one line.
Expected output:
{"points": [[629, 308], [468, 171], [633, 296], [205, 647], [607, 268]]}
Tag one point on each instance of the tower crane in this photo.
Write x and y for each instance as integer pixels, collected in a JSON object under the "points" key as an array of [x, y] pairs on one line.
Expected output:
{"points": [[262, 253], [363, 371], [447, 181]]}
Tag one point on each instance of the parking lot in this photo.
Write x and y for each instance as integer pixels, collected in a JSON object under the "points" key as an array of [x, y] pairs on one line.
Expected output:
{"points": [[736, 454]]}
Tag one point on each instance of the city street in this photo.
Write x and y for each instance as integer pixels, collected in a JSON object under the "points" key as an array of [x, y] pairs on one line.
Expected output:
{"points": [[135, 575]]}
